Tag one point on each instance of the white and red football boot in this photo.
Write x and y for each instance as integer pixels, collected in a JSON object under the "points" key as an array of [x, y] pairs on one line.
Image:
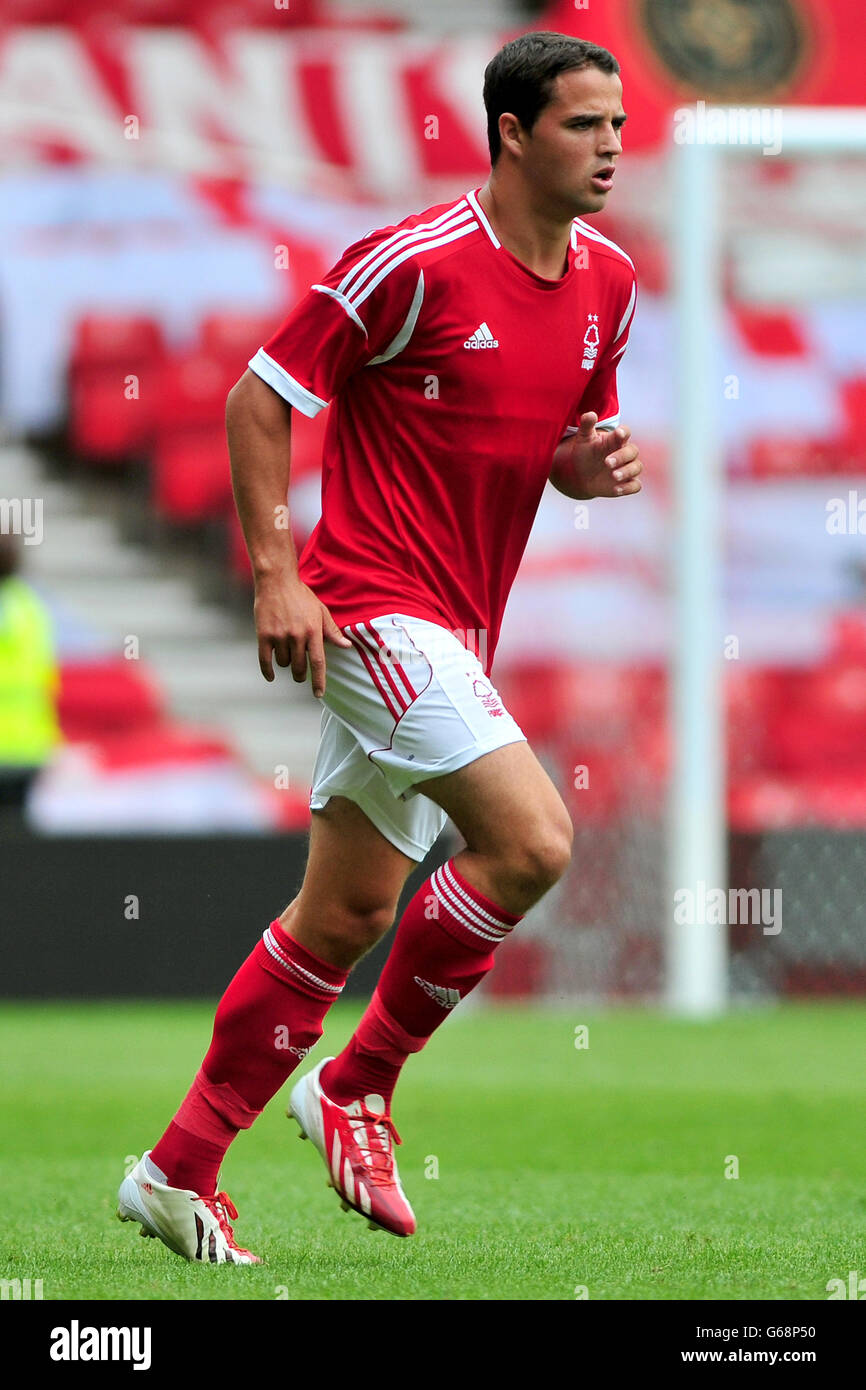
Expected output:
{"points": [[357, 1144], [192, 1226]]}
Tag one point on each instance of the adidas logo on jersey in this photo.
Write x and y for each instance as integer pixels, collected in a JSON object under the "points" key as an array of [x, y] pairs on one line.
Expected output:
{"points": [[441, 993], [482, 338]]}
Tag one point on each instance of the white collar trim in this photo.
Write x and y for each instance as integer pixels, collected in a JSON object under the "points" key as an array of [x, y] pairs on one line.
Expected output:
{"points": [[480, 214]]}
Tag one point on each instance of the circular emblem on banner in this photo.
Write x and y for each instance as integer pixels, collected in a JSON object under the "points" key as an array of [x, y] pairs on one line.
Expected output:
{"points": [[726, 49]]}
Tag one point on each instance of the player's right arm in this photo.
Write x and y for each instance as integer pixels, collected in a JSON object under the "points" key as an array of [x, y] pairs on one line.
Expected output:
{"points": [[292, 626], [363, 313]]}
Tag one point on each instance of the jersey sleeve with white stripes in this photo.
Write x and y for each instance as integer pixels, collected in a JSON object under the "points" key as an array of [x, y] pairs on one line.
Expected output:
{"points": [[362, 313]]}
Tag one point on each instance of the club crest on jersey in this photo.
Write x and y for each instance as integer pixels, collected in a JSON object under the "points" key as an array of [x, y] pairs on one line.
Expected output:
{"points": [[590, 343], [481, 338]]}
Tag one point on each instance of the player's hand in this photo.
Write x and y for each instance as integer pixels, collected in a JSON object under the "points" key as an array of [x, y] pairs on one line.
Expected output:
{"points": [[292, 627], [605, 463]]}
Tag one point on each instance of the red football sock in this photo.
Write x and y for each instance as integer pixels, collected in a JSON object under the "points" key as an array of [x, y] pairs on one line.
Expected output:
{"points": [[443, 949], [266, 1022]]}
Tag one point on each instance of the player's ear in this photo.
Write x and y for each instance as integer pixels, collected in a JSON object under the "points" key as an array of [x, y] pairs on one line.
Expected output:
{"points": [[510, 131]]}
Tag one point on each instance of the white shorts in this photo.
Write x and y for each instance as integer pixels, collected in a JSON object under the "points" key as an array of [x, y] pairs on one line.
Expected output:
{"points": [[405, 703]]}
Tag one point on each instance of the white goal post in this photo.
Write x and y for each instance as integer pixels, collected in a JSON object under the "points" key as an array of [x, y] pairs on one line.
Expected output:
{"points": [[696, 965]]}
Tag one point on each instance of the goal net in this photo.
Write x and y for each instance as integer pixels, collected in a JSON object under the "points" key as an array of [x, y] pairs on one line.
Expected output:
{"points": [[714, 759]]}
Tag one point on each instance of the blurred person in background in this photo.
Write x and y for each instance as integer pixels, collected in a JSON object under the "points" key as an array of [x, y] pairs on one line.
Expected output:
{"points": [[29, 681]]}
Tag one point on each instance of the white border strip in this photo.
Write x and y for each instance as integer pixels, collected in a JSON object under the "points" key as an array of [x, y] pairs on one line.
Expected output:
{"points": [[285, 385]]}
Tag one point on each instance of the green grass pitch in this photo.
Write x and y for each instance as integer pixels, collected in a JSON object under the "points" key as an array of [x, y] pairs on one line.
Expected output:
{"points": [[559, 1168]]}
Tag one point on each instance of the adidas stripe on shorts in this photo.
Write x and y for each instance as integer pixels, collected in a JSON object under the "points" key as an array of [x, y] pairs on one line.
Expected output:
{"points": [[405, 703]]}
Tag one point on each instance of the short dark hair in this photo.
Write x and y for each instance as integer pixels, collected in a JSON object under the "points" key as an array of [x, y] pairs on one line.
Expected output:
{"points": [[520, 77]]}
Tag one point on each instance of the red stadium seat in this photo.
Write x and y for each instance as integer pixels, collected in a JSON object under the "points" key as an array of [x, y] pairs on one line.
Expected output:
{"points": [[778, 457], [193, 390], [114, 386], [748, 700], [779, 802], [854, 401], [838, 797], [236, 337], [765, 802], [536, 695], [848, 637], [160, 744], [601, 703], [191, 479], [853, 394], [102, 697], [106, 426], [103, 339], [595, 784], [191, 475], [819, 720]]}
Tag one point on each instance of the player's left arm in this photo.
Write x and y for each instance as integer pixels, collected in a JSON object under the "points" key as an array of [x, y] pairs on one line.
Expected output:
{"points": [[597, 457]]}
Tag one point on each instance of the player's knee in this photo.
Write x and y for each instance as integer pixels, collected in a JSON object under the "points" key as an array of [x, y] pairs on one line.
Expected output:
{"points": [[358, 924], [544, 855]]}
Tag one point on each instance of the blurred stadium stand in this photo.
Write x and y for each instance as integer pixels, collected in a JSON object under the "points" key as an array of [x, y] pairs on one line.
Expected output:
{"points": [[138, 275], [144, 661]]}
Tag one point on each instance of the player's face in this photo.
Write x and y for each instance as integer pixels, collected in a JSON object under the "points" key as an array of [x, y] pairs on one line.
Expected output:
{"points": [[571, 153]]}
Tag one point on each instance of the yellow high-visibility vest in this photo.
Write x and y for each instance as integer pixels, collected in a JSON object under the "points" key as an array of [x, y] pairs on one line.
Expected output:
{"points": [[29, 678]]}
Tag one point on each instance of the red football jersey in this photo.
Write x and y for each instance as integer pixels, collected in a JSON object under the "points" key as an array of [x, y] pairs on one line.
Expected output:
{"points": [[454, 372]]}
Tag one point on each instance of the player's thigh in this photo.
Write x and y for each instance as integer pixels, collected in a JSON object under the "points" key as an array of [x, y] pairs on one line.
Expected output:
{"points": [[352, 870], [504, 804]]}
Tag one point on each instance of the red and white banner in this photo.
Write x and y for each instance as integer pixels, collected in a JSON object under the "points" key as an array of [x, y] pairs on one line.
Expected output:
{"points": [[385, 114], [332, 112]]}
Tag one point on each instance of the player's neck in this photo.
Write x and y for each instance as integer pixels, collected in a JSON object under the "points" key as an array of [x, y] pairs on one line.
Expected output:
{"points": [[536, 240]]}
